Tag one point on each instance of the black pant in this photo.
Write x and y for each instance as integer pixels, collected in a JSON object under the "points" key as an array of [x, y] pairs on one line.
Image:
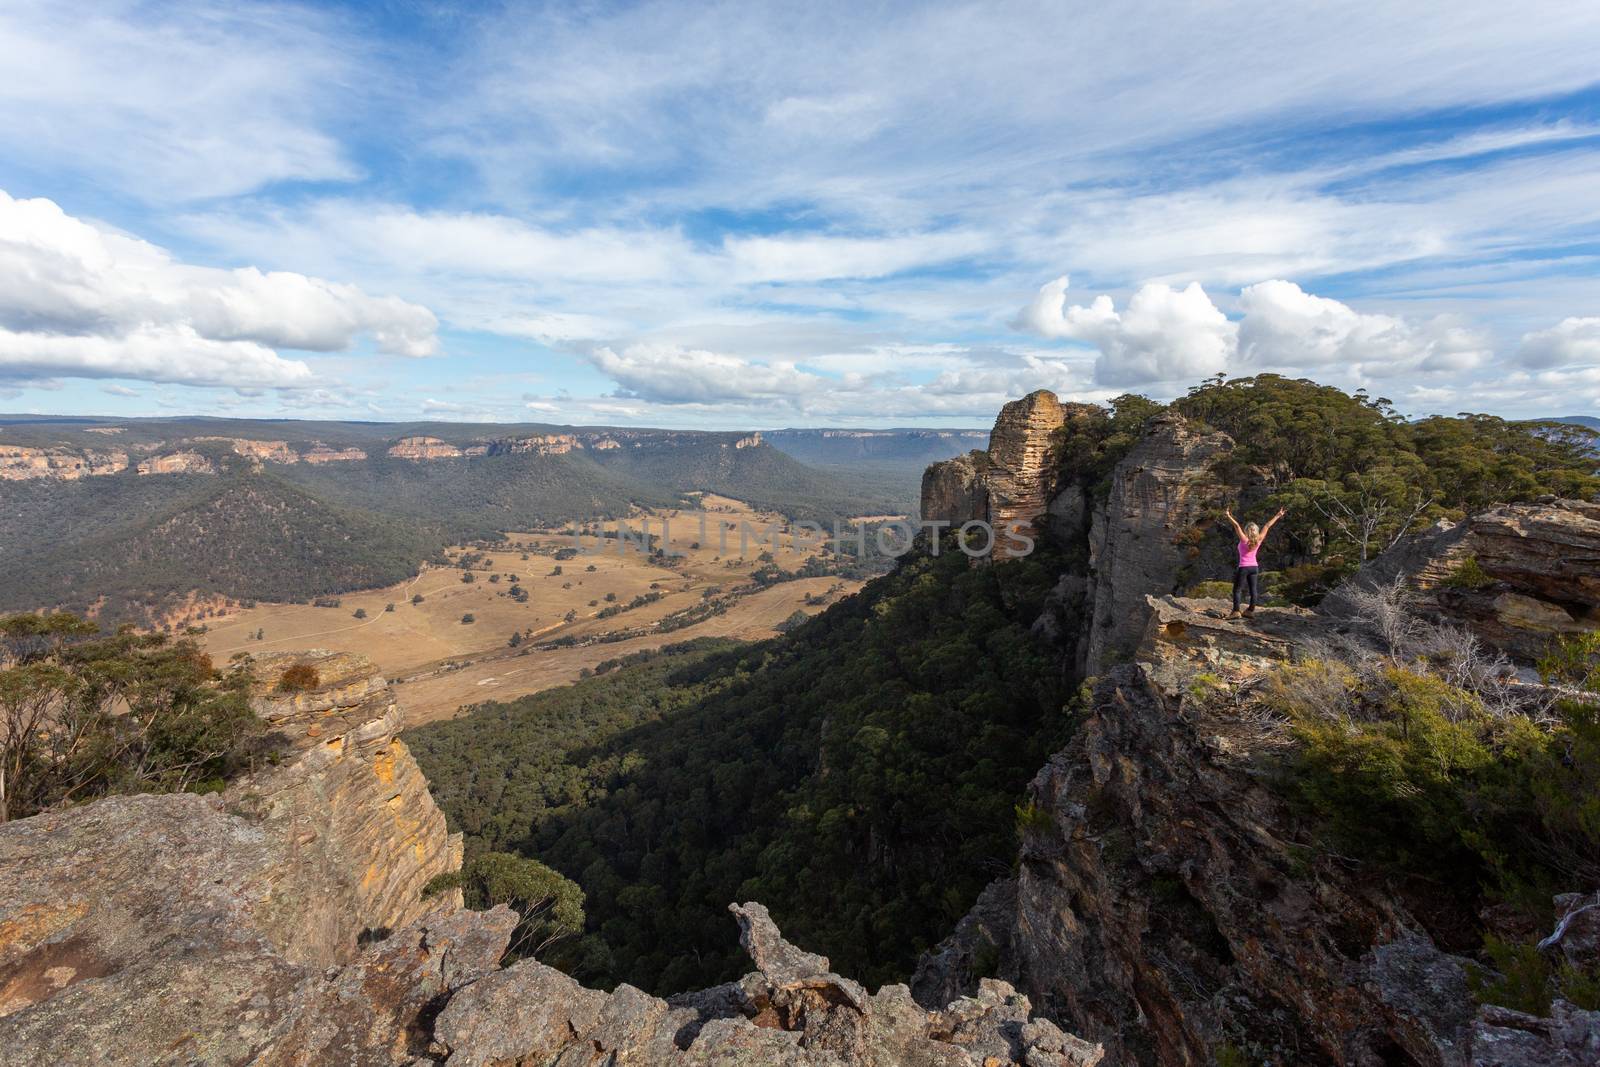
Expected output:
{"points": [[1246, 578]]}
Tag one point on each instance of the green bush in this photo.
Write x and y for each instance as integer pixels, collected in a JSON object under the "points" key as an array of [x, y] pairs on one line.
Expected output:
{"points": [[1468, 574]]}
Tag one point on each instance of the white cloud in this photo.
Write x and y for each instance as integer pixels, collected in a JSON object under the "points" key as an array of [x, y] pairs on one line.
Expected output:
{"points": [[175, 101], [119, 390], [1283, 326], [80, 299], [1163, 335], [155, 354], [1570, 341], [669, 374]]}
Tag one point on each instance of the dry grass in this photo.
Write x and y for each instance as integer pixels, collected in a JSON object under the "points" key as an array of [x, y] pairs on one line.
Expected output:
{"points": [[418, 645]]}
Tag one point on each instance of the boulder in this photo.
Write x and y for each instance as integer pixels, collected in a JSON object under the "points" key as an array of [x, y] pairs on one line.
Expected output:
{"points": [[1518, 575]]}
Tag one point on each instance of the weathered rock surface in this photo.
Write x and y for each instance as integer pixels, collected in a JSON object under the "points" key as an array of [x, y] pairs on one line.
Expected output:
{"points": [[180, 462], [1185, 637], [1518, 575], [1144, 540], [282, 922], [1010, 486], [1159, 910], [953, 490], [20, 463], [423, 447], [791, 1011], [206, 923]]}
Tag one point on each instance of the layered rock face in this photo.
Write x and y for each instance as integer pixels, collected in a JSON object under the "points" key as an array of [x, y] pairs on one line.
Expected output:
{"points": [[1518, 576], [288, 871], [423, 448], [184, 462], [1009, 486], [1144, 539], [366, 836], [19, 463]]}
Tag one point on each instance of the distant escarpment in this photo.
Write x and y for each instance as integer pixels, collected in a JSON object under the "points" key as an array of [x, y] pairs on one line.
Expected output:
{"points": [[284, 921]]}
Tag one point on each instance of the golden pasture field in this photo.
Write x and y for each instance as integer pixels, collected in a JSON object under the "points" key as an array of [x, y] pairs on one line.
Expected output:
{"points": [[438, 662]]}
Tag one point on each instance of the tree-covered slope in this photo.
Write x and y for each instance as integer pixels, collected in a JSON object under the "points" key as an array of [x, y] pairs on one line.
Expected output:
{"points": [[246, 535], [860, 775]]}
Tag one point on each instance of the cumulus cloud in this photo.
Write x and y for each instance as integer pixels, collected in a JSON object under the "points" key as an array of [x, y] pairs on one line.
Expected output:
{"points": [[1163, 334], [670, 374], [1285, 326], [1570, 341], [1167, 335], [156, 354], [82, 300]]}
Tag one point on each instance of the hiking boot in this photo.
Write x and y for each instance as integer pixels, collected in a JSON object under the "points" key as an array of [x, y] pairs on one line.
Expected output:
{"points": [[1234, 614], [1249, 612]]}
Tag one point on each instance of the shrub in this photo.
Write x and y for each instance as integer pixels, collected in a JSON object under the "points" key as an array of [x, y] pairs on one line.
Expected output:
{"points": [[551, 906], [1468, 574], [299, 678], [468, 619], [360, 613], [417, 599]]}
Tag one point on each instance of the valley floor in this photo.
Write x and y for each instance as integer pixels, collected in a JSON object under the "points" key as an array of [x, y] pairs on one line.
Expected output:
{"points": [[439, 663]]}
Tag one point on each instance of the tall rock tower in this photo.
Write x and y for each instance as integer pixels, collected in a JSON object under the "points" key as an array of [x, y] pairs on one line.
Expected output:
{"points": [[1010, 485]]}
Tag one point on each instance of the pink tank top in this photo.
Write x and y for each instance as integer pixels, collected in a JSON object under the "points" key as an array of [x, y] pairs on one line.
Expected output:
{"points": [[1247, 554]]}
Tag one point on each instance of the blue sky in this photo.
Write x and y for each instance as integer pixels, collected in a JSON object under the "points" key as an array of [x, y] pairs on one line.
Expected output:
{"points": [[760, 215]]}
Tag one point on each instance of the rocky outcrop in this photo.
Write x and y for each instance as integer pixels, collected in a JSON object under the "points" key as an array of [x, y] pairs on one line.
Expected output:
{"points": [[1186, 637], [791, 1011], [1518, 576], [550, 444], [954, 490], [283, 922], [323, 454], [260, 451], [1010, 486], [1146, 538], [420, 448], [366, 834], [289, 871], [1159, 908], [182, 462], [20, 463]]}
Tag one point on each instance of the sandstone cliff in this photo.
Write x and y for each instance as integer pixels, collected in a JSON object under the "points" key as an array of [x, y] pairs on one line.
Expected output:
{"points": [[20, 463], [282, 922], [1516, 575], [423, 448], [1143, 537], [1010, 485]]}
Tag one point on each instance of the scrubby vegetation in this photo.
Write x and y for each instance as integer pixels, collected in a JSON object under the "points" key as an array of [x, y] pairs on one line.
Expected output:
{"points": [[551, 906], [1354, 474], [861, 775], [1418, 753], [84, 715]]}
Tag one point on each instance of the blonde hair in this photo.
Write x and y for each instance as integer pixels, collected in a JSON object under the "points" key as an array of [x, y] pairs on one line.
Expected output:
{"points": [[1252, 533]]}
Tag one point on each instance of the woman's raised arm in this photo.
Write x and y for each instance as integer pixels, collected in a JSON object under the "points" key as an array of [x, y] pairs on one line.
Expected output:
{"points": [[1237, 529], [1271, 523]]}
